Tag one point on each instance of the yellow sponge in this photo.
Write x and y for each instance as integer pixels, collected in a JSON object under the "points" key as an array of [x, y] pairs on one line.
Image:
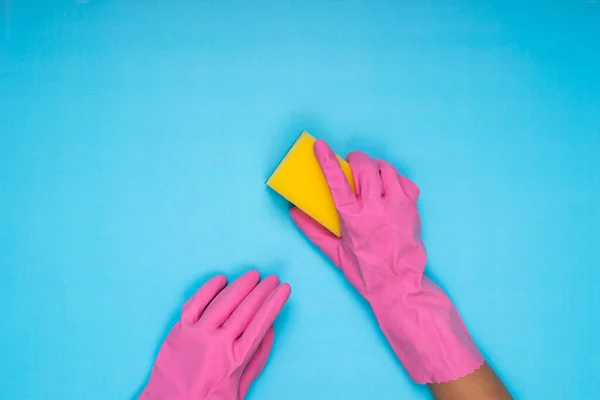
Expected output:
{"points": [[299, 179]]}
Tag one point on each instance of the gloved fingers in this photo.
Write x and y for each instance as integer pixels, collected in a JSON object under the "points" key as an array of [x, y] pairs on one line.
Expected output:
{"points": [[257, 362], [411, 190], [366, 176], [317, 234], [241, 317], [396, 184], [390, 179], [229, 299], [194, 307], [263, 320], [342, 193]]}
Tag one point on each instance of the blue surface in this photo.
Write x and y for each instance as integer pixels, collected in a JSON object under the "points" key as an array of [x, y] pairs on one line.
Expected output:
{"points": [[135, 138]]}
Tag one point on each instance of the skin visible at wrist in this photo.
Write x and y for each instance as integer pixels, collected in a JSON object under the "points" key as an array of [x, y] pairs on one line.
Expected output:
{"points": [[483, 383]]}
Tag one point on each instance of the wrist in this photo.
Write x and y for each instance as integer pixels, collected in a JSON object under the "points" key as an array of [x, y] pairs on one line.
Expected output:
{"points": [[425, 331]]}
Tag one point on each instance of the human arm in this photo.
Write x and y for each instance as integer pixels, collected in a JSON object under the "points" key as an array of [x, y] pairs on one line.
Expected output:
{"points": [[382, 255], [483, 383]]}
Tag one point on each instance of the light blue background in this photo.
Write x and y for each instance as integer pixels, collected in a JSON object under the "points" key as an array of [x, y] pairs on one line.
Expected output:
{"points": [[136, 136]]}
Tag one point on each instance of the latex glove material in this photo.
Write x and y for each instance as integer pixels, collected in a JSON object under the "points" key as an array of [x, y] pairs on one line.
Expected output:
{"points": [[221, 343], [382, 255]]}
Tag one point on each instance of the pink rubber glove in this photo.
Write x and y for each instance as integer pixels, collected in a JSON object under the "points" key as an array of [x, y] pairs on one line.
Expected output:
{"points": [[383, 257], [221, 343]]}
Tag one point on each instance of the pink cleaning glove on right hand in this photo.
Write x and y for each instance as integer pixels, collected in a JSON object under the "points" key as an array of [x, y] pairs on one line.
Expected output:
{"points": [[381, 253]]}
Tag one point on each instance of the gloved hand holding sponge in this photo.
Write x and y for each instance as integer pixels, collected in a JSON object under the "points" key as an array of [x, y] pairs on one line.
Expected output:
{"points": [[373, 235]]}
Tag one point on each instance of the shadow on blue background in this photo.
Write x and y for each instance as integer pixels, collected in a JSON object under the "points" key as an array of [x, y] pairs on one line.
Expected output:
{"points": [[136, 137]]}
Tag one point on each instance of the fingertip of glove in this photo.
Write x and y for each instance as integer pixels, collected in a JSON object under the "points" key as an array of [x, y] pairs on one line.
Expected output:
{"points": [[220, 279], [294, 210], [410, 189], [297, 215], [284, 290], [358, 156], [322, 150], [320, 144], [252, 275]]}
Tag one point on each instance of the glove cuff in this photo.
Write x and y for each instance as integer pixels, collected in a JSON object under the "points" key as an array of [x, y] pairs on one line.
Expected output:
{"points": [[426, 332]]}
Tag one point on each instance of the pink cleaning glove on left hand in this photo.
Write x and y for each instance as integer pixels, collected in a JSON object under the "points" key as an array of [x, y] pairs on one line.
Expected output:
{"points": [[221, 343], [382, 255]]}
